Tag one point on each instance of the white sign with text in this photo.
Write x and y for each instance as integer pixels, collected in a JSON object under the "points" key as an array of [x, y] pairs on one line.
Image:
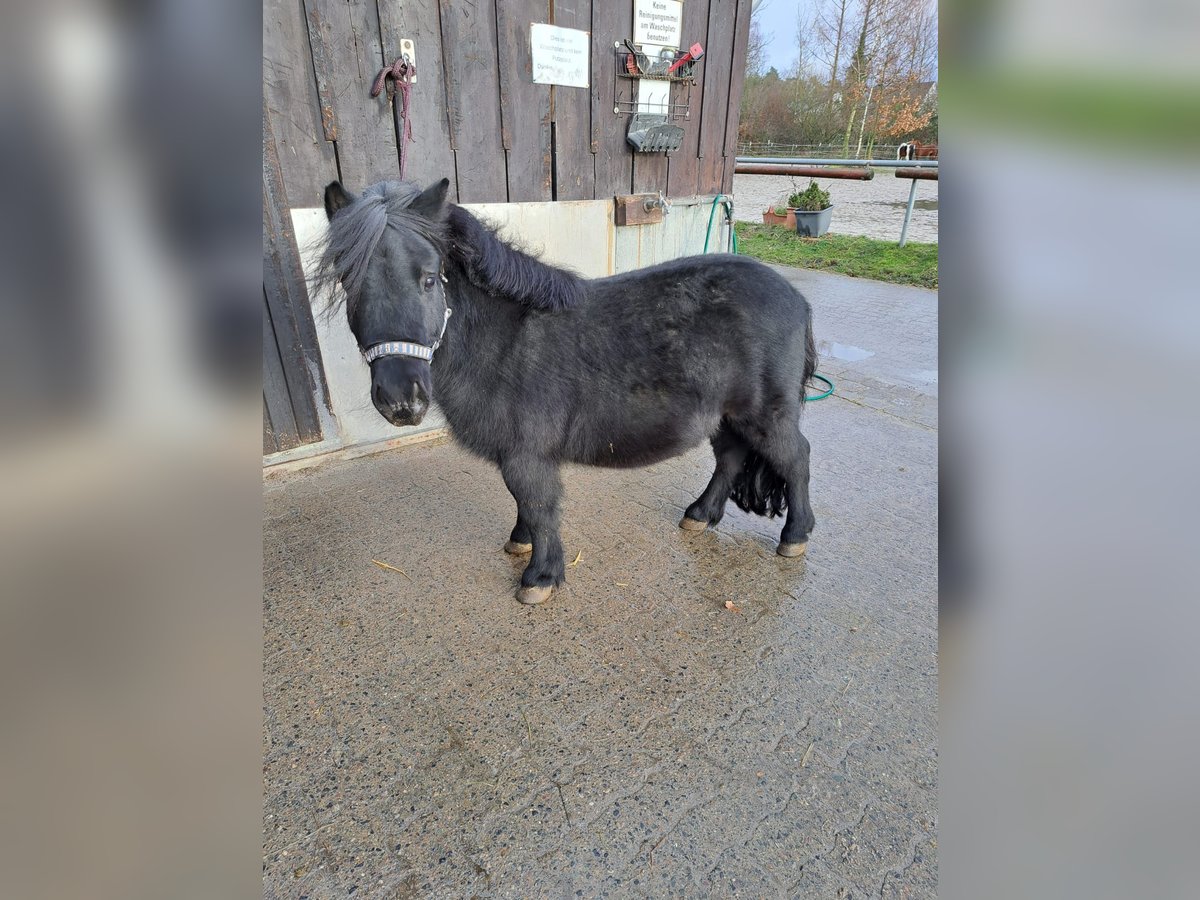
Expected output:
{"points": [[658, 22], [560, 55]]}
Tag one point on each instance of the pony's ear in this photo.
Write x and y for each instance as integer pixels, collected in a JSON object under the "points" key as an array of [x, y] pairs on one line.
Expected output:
{"points": [[336, 197], [431, 202]]}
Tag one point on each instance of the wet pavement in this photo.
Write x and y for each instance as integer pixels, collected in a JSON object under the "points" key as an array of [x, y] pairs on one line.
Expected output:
{"points": [[427, 736]]}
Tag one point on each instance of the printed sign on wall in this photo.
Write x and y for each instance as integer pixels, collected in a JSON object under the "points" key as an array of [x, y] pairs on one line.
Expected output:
{"points": [[560, 55], [658, 22]]}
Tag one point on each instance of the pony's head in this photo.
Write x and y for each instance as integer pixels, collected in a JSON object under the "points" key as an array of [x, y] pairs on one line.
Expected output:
{"points": [[386, 249]]}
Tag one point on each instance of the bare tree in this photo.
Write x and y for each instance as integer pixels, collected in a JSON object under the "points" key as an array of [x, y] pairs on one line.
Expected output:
{"points": [[863, 70], [804, 42], [894, 57], [756, 48], [829, 31]]}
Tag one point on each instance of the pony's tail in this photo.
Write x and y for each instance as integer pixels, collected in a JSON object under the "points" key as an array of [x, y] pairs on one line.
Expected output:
{"points": [[758, 488], [810, 358]]}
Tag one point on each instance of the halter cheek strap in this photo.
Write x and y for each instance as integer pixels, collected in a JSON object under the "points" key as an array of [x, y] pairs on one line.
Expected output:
{"points": [[407, 348]]}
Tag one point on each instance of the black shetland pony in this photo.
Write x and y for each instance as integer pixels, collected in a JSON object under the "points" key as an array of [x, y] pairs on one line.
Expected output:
{"points": [[538, 366]]}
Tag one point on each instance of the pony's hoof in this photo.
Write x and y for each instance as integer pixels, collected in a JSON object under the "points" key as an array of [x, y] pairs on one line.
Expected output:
{"points": [[518, 549], [534, 596], [692, 524], [792, 550]]}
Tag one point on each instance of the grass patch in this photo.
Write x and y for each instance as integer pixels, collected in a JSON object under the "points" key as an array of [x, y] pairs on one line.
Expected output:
{"points": [[861, 257]]}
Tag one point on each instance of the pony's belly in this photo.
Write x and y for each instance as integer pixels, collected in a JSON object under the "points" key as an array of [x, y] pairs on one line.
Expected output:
{"points": [[644, 446]]}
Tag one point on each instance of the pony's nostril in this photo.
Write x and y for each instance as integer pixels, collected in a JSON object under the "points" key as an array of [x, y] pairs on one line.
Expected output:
{"points": [[380, 397]]}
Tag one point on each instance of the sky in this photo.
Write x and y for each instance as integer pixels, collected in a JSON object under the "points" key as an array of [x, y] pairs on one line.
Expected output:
{"points": [[779, 24]]}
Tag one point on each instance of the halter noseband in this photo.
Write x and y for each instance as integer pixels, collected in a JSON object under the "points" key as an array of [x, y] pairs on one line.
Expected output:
{"points": [[408, 348]]}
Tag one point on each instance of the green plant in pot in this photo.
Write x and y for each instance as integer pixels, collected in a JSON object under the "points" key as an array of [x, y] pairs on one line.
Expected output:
{"points": [[812, 210]]}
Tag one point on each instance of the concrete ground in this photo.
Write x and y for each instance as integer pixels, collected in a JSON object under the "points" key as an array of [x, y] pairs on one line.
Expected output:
{"points": [[427, 736]]}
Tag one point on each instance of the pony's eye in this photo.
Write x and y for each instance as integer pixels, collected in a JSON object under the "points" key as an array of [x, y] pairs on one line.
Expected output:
{"points": [[430, 281]]}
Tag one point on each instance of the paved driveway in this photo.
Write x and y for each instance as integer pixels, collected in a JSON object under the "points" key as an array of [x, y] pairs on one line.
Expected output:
{"points": [[427, 736]]}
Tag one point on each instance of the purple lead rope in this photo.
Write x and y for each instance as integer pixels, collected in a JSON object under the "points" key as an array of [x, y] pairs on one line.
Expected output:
{"points": [[402, 73]]}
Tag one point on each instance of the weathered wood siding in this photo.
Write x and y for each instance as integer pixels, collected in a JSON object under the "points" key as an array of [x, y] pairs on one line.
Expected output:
{"points": [[476, 115], [431, 156], [292, 381]]}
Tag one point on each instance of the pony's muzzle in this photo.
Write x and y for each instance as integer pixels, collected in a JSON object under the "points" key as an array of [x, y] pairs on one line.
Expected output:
{"points": [[400, 390], [399, 412]]}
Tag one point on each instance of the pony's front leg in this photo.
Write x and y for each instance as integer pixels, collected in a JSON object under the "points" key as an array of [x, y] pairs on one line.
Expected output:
{"points": [[520, 541], [535, 485]]}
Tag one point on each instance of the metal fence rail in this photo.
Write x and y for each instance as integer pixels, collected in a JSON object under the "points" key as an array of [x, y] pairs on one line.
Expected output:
{"points": [[913, 169], [769, 148], [860, 173], [814, 161]]}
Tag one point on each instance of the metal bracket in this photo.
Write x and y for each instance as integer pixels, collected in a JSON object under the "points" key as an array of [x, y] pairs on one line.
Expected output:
{"points": [[408, 53], [660, 202], [640, 209]]}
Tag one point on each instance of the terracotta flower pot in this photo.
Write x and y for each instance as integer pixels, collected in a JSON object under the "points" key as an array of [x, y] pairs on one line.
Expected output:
{"points": [[770, 217]]}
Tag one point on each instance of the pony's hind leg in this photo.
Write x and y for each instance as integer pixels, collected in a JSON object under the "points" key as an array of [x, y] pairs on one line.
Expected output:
{"points": [[520, 541], [535, 485], [730, 450], [787, 451]]}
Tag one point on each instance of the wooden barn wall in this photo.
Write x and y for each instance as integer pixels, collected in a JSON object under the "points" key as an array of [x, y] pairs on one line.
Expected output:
{"points": [[292, 380], [477, 117]]}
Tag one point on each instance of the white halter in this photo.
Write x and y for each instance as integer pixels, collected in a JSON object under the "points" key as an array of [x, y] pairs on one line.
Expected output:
{"points": [[408, 348]]}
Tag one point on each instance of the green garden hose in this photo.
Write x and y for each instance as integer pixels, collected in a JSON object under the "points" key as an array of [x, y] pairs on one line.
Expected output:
{"points": [[822, 396], [733, 233]]}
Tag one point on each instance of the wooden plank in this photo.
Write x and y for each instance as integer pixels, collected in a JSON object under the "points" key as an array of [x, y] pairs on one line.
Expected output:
{"points": [[344, 38], [686, 235], [737, 79], [473, 99], [275, 388], [284, 292], [611, 22], [650, 172], [270, 445], [574, 165], [290, 92], [627, 249], [718, 60], [631, 210], [651, 245], [524, 106], [430, 155], [683, 166]]}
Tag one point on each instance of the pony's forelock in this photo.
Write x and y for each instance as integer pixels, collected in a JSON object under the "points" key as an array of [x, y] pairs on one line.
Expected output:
{"points": [[354, 233]]}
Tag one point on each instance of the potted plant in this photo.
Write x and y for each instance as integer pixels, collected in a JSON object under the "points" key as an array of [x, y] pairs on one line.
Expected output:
{"points": [[812, 210], [779, 214]]}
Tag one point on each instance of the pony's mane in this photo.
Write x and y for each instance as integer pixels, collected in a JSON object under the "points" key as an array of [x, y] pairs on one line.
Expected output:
{"points": [[497, 267], [354, 233], [491, 264]]}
